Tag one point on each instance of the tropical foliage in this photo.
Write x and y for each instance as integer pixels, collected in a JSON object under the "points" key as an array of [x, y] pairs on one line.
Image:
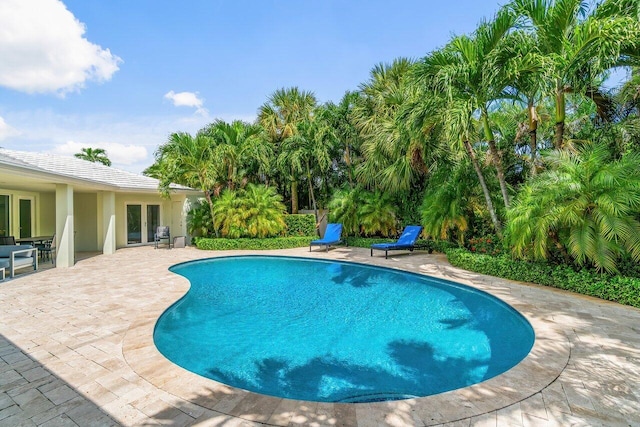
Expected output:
{"points": [[255, 211], [364, 212], [586, 207], [510, 134], [94, 155]]}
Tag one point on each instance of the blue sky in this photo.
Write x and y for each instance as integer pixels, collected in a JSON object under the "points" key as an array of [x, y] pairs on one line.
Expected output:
{"points": [[143, 69]]}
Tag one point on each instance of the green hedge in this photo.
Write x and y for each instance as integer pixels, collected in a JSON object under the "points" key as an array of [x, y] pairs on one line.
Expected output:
{"points": [[253, 244], [625, 290], [300, 225], [364, 242], [428, 245]]}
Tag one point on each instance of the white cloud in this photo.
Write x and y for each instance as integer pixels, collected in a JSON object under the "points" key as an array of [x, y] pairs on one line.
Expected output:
{"points": [[7, 131], [125, 138], [187, 99], [43, 49], [117, 153]]}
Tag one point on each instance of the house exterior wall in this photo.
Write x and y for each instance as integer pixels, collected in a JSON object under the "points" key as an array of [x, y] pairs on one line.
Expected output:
{"points": [[43, 206], [85, 215], [169, 214], [89, 221], [46, 218]]}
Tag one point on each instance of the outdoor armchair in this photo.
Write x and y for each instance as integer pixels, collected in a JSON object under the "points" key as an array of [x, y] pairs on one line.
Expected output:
{"points": [[162, 233]]}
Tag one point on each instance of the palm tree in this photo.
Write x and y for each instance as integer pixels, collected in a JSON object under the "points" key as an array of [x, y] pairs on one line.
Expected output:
{"points": [[524, 67], [94, 155], [467, 69], [377, 214], [309, 150], [242, 148], [280, 116], [586, 206], [264, 211], [343, 208], [341, 119], [449, 119], [255, 211], [451, 202], [578, 44], [229, 214], [189, 161], [393, 157]]}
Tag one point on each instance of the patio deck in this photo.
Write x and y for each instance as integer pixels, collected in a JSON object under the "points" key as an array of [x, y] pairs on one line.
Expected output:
{"points": [[76, 349]]}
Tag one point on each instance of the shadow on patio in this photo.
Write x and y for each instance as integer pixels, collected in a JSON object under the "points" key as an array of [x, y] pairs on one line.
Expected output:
{"points": [[31, 395]]}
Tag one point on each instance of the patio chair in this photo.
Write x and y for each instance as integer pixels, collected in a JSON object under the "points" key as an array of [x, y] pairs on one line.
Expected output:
{"points": [[162, 233], [7, 240], [48, 250], [406, 241], [331, 236]]}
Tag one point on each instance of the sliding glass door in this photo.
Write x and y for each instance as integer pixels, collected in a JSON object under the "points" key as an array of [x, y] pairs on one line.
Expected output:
{"points": [[142, 222]]}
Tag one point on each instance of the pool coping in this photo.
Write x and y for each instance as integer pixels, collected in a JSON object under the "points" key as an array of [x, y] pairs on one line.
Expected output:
{"points": [[543, 365]]}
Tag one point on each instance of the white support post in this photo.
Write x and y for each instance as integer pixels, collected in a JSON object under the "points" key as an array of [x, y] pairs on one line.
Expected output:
{"points": [[65, 249], [109, 222]]}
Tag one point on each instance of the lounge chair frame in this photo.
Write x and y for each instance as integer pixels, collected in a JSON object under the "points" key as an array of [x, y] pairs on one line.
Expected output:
{"points": [[386, 247]]}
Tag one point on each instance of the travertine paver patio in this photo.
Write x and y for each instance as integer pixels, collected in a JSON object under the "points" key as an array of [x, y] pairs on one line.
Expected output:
{"points": [[76, 349]]}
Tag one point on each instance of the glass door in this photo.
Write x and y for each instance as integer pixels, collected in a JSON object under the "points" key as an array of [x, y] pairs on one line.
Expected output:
{"points": [[134, 224], [142, 222], [153, 221], [25, 218]]}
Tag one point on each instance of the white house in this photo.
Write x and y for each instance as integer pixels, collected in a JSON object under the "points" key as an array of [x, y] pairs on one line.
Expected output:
{"points": [[88, 206]]}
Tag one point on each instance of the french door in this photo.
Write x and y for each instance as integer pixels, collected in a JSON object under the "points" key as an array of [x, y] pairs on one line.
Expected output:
{"points": [[142, 221], [26, 217]]}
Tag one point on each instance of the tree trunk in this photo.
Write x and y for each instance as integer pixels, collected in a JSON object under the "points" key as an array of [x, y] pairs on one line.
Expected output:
{"points": [[347, 160], [563, 251], [558, 140], [485, 189], [497, 158], [294, 197], [533, 135], [313, 197], [207, 196], [559, 136]]}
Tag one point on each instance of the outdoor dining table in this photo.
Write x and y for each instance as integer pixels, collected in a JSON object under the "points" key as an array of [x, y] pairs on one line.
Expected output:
{"points": [[34, 240]]}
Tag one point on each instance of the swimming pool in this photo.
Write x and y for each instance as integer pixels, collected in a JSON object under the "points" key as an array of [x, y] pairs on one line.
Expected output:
{"points": [[332, 331]]}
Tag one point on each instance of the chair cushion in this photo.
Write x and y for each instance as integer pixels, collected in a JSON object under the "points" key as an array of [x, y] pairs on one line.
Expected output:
{"points": [[5, 251], [20, 262]]}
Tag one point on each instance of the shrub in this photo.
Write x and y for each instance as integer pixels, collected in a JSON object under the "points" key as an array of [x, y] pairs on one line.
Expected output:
{"points": [[252, 244], [300, 225], [199, 221], [489, 245], [363, 212], [255, 211], [625, 290]]}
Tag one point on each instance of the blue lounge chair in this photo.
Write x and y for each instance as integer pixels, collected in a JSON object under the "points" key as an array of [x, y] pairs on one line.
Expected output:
{"points": [[331, 237], [406, 241]]}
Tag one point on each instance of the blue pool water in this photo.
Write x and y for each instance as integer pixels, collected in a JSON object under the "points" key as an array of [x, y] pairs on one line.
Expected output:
{"points": [[336, 332]]}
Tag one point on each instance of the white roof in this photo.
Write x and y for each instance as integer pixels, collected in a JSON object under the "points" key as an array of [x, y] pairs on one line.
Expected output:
{"points": [[80, 170]]}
